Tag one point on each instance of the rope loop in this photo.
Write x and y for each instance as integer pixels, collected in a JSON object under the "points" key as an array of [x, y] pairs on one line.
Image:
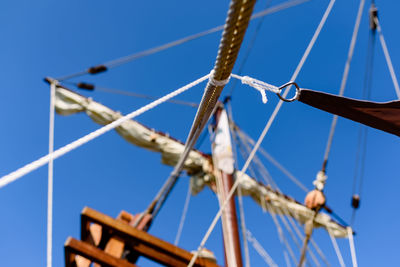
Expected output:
{"points": [[215, 82], [296, 96]]}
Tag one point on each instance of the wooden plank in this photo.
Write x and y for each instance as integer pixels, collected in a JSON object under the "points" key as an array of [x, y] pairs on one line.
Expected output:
{"points": [[75, 247], [145, 244]]}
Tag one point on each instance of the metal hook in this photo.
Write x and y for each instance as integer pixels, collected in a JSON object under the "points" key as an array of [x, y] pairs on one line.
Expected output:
{"points": [[296, 96]]}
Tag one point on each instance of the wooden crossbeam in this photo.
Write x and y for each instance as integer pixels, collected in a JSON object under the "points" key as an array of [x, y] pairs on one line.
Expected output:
{"points": [[75, 247], [139, 241]]}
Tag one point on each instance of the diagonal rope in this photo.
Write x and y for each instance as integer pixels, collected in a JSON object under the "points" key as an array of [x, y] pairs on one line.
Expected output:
{"points": [[50, 177], [262, 136], [11, 177], [151, 51], [183, 217], [344, 82], [352, 247], [274, 161], [387, 57], [249, 49], [261, 251], [294, 215], [337, 250], [282, 237]]}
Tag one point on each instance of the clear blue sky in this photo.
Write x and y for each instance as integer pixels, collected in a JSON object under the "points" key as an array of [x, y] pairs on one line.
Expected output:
{"points": [[53, 38]]}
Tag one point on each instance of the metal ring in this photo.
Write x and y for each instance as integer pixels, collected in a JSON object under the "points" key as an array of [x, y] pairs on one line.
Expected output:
{"points": [[296, 96]]}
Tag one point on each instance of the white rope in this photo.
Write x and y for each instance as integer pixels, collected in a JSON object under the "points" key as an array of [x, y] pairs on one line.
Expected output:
{"points": [[50, 177], [285, 255], [271, 159], [183, 217], [258, 85], [5, 180], [282, 237], [345, 76], [387, 57], [261, 138], [352, 247], [215, 82], [337, 250], [261, 251], [244, 138]]}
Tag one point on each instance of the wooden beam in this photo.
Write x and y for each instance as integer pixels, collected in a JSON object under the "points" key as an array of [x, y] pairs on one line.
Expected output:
{"points": [[75, 247], [141, 242]]}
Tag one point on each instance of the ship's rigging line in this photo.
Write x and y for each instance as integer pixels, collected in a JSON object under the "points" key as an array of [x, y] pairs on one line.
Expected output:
{"points": [[129, 58], [183, 217], [271, 159], [11, 177], [248, 50], [129, 93], [50, 177], [261, 251], [352, 247], [343, 83], [335, 117], [245, 231], [363, 130], [337, 250], [235, 27], [272, 183], [272, 118], [387, 57]]}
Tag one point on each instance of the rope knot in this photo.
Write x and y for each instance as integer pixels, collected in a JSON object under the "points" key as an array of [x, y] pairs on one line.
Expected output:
{"points": [[215, 82], [259, 86]]}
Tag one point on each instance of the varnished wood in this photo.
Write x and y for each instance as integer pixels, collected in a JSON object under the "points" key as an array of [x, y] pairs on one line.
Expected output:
{"points": [[141, 242], [75, 247]]}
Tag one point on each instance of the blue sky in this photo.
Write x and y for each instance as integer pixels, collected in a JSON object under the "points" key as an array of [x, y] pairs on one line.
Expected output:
{"points": [[53, 38]]}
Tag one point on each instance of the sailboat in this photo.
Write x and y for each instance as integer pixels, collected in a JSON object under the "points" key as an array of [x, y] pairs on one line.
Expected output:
{"points": [[290, 140]]}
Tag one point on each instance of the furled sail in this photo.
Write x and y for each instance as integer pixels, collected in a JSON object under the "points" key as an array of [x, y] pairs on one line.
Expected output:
{"points": [[382, 116], [276, 202], [68, 102], [198, 165]]}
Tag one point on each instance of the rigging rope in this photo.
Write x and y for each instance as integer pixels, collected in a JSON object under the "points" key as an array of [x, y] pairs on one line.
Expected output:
{"points": [[387, 57], [249, 48], [11, 177], [273, 161], [261, 251], [262, 167], [183, 217], [352, 247], [92, 87], [154, 50], [337, 250], [261, 138], [363, 130], [344, 82], [50, 177]]}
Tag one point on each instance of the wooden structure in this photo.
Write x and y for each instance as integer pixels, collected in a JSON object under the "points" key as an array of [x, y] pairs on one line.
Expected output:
{"points": [[114, 242]]}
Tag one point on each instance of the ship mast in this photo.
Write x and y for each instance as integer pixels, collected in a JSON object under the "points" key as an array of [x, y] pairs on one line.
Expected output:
{"points": [[224, 169]]}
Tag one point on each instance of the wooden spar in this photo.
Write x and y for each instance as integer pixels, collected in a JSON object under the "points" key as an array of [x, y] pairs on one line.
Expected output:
{"points": [[136, 241], [233, 255]]}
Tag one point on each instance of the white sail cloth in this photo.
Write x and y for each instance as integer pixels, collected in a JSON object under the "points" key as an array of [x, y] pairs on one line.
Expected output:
{"points": [[198, 165], [68, 102]]}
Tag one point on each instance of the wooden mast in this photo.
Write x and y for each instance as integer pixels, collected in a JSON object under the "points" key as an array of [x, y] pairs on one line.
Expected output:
{"points": [[224, 180]]}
